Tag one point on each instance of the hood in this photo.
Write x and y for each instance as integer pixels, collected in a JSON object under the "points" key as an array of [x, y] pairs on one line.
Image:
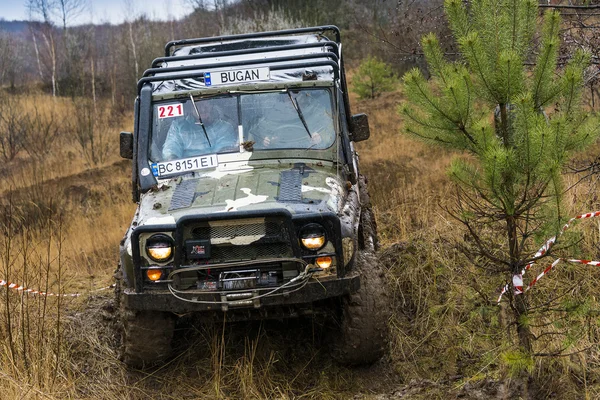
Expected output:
{"points": [[298, 188]]}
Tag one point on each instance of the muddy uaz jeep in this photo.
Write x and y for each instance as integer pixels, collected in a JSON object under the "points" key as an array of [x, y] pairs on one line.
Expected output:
{"points": [[249, 197]]}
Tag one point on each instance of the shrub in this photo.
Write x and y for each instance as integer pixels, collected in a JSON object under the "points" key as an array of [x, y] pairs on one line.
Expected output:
{"points": [[373, 78]]}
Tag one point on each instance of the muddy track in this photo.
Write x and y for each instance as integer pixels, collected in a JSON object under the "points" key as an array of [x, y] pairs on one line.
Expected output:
{"points": [[290, 353]]}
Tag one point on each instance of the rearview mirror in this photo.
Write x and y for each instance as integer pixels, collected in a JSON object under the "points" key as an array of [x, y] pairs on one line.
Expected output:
{"points": [[360, 127], [126, 145]]}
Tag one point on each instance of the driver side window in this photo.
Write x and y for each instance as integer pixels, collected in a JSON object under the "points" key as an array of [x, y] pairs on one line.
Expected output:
{"points": [[271, 121]]}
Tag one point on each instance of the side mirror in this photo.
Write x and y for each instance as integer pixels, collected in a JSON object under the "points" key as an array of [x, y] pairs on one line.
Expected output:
{"points": [[360, 128], [126, 145]]}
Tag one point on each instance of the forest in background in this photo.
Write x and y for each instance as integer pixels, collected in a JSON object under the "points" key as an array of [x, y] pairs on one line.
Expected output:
{"points": [[103, 60]]}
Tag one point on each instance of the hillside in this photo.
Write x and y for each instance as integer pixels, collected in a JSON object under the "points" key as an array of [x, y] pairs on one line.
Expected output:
{"points": [[93, 208], [19, 28], [445, 334]]}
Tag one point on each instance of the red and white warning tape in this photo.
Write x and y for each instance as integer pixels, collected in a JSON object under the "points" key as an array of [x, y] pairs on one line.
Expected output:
{"points": [[518, 278], [20, 288]]}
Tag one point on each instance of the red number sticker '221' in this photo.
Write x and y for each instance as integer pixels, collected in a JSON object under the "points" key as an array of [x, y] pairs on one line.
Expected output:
{"points": [[170, 110]]}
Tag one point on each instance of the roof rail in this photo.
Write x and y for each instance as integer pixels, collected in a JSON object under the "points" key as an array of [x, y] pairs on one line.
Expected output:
{"points": [[200, 74], [316, 29], [333, 45]]}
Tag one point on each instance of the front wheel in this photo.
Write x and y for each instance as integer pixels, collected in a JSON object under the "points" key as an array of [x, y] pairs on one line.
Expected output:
{"points": [[362, 334], [145, 335], [146, 338]]}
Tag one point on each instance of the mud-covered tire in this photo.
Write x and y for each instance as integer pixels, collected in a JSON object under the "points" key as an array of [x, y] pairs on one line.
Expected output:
{"points": [[362, 335], [146, 336], [367, 229], [367, 232]]}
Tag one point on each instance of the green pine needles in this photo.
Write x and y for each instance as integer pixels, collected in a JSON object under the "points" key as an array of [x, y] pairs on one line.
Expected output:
{"points": [[373, 78], [519, 124], [522, 124]]}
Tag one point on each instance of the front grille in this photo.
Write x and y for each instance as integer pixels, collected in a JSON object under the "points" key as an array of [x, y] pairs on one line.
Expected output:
{"points": [[250, 252], [244, 239], [260, 228]]}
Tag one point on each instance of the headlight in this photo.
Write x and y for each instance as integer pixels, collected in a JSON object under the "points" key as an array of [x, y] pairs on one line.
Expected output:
{"points": [[312, 237], [159, 247]]}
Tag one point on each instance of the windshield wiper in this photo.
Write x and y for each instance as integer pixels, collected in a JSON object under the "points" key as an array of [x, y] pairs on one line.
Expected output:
{"points": [[299, 111], [200, 120]]}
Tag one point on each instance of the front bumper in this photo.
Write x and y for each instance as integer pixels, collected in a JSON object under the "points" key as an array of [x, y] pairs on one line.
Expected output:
{"points": [[164, 300]]}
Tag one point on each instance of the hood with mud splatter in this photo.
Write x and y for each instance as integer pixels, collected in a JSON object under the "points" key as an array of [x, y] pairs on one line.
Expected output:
{"points": [[297, 188]]}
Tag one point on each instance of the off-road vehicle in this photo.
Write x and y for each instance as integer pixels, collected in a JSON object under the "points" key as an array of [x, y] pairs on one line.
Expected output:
{"points": [[249, 197]]}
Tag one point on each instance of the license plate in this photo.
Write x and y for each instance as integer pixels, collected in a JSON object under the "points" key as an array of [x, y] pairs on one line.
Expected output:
{"points": [[184, 165], [236, 76]]}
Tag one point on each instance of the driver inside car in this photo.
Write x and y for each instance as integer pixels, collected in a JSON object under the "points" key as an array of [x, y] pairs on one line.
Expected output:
{"points": [[280, 123], [193, 135]]}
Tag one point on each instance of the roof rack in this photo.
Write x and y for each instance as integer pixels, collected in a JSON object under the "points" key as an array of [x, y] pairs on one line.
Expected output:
{"points": [[331, 57], [276, 56], [154, 71], [334, 46], [199, 74], [227, 38]]}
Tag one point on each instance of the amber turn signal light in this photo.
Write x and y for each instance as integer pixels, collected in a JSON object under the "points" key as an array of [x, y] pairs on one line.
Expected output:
{"points": [[324, 262], [154, 274]]}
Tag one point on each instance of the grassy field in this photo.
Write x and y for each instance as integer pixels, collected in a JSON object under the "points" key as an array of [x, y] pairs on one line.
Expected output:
{"points": [[64, 216]]}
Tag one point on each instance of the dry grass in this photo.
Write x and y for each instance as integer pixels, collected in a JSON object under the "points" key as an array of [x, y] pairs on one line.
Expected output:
{"points": [[446, 326], [53, 209], [63, 156], [407, 179], [69, 220]]}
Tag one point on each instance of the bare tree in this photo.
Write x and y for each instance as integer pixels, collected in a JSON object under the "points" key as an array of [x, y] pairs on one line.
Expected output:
{"points": [[198, 4], [65, 12], [68, 10], [220, 6], [130, 10], [14, 124], [42, 132], [12, 59], [42, 9], [37, 51], [93, 65], [581, 30], [89, 130]]}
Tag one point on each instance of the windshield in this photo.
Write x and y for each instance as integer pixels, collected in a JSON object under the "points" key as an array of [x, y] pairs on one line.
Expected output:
{"points": [[194, 126]]}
